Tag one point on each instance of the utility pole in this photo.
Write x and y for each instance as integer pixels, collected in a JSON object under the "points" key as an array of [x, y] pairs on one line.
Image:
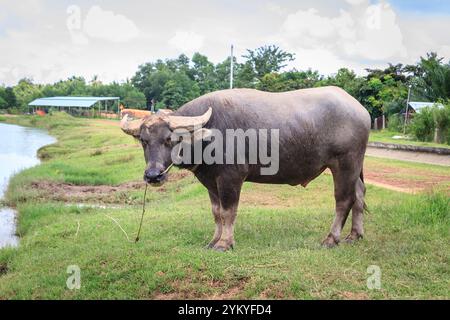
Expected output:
{"points": [[232, 67], [407, 109]]}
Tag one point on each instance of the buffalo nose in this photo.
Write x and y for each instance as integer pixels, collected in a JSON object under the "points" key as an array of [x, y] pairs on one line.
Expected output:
{"points": [[152, 174]]}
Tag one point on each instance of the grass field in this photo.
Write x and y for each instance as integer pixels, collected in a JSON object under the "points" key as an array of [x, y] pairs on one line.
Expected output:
{"points": [[386, 136], [278, 232]]}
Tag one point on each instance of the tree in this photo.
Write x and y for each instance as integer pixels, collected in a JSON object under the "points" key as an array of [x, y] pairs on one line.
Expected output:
{"points": [[179, 90], [10, 97], [288, 81], [3, 103], [26, 91], [267, 59], [347, 80], [204, 73], [431, 77]]}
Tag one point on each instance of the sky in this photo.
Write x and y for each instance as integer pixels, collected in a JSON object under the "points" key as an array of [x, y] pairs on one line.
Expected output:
{"points": [[49, 40]]}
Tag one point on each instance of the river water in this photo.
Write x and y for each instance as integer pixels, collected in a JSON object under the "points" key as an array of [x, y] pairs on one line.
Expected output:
{"points": [[18, 151]]}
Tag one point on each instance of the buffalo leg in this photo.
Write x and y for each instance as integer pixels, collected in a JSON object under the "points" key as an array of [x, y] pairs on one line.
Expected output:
{"points": [[357, 213], [345, 176], [229, 192], [215, 204]]}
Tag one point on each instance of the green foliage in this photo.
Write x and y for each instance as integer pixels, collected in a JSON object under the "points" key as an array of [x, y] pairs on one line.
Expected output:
{"points": [[173, 82], [288, 81], [204, 73], [431, 77], [345, 79], [423, 125], [395, 123], [25, 92], [179, 90], [7, 98], [267, 59], [16, 99], [442, 118], [425, 122], [3, 103]]}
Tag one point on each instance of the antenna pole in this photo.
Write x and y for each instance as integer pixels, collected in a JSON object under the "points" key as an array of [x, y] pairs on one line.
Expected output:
{"points": [[232, 67]]}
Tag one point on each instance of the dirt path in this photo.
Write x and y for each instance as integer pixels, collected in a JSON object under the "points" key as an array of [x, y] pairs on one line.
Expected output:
{"points": [[421, 157]]}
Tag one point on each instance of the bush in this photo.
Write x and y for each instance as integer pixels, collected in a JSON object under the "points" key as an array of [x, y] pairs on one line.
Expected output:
{"points": [[423, 125], [14, 111], [442, 119], [395, 123]]}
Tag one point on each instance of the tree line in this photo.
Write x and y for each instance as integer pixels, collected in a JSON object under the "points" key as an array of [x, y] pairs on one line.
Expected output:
{"points": [[172, 82]]}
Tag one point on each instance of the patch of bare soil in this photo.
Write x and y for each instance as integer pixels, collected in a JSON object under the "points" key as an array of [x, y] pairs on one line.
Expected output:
{"points": [[73, 193], [58, 191], [391, 178], [348, 295], [183, 290]]}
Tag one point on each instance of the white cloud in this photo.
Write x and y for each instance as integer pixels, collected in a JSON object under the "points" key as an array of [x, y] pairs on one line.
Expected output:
{"points": [[325, 35], [107, 25], [363, 34], [356, 2], [187, 41], [378, 35]]}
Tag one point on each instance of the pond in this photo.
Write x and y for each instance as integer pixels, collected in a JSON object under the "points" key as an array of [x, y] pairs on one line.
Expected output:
{"points": [[18, 151]]}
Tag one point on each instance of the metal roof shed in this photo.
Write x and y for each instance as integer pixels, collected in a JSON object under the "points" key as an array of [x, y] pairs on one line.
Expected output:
{"points": [[418, 106], [73, 102]]}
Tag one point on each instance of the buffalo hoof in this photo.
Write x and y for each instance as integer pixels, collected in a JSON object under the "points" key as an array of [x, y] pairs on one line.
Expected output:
{"points": [[211, 245], [330, 242], [222, 246], [353, 237]]}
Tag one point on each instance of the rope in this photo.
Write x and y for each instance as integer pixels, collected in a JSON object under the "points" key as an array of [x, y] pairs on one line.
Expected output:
{"points": [[143, 205], [117, 223], [143, 212]]}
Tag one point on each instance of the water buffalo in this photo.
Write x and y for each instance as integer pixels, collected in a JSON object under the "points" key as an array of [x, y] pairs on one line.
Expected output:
{"points": [[317, 129]]}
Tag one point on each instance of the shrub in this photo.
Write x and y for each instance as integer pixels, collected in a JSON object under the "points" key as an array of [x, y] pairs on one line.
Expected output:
{"points": [[423, 125], [395, 123], [14, 111], [442, 120]]}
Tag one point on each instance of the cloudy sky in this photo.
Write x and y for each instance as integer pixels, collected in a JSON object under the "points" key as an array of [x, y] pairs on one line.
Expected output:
{"points": [[49, 40]]}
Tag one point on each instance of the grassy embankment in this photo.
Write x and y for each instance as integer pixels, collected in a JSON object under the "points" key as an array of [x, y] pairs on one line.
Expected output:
{"points": [[386, 136], [278, 232]]}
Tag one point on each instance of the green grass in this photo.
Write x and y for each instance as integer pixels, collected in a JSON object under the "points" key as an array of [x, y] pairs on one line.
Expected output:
{"points": [[385, 136], [2, 118], [278, 232]]}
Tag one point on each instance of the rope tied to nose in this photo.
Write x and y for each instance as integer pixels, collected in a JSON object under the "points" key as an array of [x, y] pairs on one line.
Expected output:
{"points": [[145, 194], [144, 202]]}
